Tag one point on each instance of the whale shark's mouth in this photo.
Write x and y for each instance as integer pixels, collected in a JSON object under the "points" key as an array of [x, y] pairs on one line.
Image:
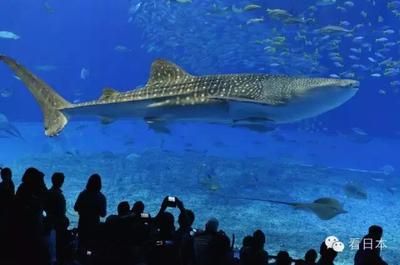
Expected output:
{"points": [[322, 99], [314, 100]]}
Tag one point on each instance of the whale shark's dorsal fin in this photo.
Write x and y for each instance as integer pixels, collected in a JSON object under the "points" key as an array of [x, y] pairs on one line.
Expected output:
{"points": [[165, 71], [108, 93]]}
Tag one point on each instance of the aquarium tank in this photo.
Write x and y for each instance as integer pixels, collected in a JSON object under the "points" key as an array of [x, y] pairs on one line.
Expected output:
{"points": [[277, 115]]}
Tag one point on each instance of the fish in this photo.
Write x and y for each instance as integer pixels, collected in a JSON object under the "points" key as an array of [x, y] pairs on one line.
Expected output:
{"points": [[84, 73], [356, 50], [364, 14], [122, 48], [389, 32], [359, 131], [135, 8], [344, 23], [158, 127], [279, 13], [7, 129], [6, 92], [388, 170], [183, 1], [382, 92], [132, 156], [172, 94], [393, 5], [349, 4], [250, 7], [338, 64], [353, 57], [9, 35], [325, 2], [255, 20], [383, 39], [395, 83], [330, 29], [358, 39], [49, 9]]}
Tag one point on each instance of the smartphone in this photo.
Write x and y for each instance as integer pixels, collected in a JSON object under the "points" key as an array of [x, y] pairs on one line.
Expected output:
{"points": [[171, 201], [144, 215]]}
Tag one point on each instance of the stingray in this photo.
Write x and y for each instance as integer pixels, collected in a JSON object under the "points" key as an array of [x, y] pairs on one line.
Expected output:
{"points": [[353, 190], [325, 208]]}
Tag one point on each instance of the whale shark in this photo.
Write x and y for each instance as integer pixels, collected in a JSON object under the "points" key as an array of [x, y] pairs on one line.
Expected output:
{"points": [[172, 94]]}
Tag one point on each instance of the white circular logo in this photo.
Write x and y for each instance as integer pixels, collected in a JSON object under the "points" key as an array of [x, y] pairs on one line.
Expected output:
{"points": [[330, 240], [338, 246]]}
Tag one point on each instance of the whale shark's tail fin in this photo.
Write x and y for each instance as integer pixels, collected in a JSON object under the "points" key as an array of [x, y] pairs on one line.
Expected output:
{"points": [[49, 101]]}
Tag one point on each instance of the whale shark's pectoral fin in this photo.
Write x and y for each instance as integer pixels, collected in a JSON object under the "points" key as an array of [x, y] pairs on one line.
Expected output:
{"points": [[256, 124], [252, 120], [260, 128], [157, 125], [106, 120]]}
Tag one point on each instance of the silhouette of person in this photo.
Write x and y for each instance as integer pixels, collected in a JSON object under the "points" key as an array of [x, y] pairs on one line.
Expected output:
{"points": [[90, 205], [166, 244], [7, 193], [202, 241], [283, 258], [246, 250], [140, 233], [254, 253], [369, 251], [118, 235], [310, 258], [123, 209], [221, 251], [55, 202], [55, 207], [165, 249], [211, 246], [328, 255], [28, 217], [138, 208], [184, 235]]}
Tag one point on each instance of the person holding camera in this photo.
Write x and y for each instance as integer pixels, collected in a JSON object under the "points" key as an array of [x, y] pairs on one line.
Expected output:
{"points": [[164, 246]]}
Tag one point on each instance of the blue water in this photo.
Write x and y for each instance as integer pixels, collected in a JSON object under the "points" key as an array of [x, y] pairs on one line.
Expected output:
{"points": [[214, 37]]}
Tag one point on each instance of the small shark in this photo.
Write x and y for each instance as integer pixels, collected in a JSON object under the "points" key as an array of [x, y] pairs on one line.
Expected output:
{"points": [[172, 94]]}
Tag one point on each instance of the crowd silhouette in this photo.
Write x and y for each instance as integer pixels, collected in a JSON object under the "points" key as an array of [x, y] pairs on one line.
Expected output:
{"points": [[35, 230]]}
